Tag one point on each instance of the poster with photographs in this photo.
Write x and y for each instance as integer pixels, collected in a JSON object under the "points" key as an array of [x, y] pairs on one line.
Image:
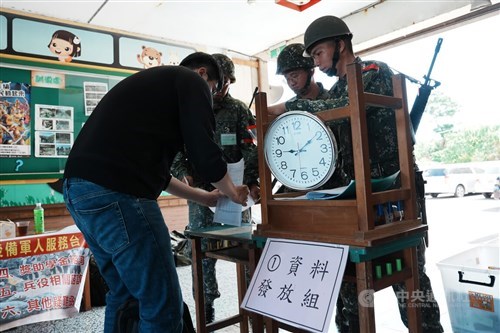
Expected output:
{"points": [[93, 92], [15, 117], [53, 130]]}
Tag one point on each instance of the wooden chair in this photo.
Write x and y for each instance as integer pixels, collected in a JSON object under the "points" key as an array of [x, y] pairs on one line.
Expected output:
{"points": [[352, 222]]}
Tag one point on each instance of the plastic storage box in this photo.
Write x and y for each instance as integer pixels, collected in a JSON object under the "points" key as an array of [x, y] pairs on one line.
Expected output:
{"points": [[471, 282]]}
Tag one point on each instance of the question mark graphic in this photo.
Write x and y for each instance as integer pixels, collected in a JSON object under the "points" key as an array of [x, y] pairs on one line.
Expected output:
{"points": [[19, 164]]}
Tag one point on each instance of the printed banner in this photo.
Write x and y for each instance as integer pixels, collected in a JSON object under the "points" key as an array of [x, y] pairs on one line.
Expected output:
{"points": [[41, 277]]}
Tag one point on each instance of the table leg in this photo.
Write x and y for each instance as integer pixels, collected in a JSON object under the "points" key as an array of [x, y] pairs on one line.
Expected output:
{"points": [[242, 288], [86, 292], [199, 296]]}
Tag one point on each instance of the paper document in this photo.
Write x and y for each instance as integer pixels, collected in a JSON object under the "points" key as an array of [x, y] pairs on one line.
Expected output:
{"points": [[227, 211], [349, 192]]}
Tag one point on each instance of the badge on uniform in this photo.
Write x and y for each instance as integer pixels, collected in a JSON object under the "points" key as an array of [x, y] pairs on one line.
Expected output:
{"points": [[227, 139]]}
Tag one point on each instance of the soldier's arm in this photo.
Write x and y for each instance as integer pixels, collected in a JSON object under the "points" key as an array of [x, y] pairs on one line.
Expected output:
{"points": [[314, 106]]}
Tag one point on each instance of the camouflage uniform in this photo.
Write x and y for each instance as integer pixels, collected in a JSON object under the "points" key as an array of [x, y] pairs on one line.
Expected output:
{"points": [[232, 119], [384, 161]]}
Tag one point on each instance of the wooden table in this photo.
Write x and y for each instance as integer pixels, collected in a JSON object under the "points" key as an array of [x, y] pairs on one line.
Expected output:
{"points": [[243, 250]]}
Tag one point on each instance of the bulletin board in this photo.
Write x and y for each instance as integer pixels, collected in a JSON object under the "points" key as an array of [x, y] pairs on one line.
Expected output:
{"points": [[52, 75], [59, 103]]}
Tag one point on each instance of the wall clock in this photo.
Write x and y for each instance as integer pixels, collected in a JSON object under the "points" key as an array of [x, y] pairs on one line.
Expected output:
{"points": [[300, 150]]}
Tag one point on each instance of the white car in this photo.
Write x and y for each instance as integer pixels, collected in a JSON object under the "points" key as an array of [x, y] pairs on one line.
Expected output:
{"points": [[489, 179], [457, 179]]}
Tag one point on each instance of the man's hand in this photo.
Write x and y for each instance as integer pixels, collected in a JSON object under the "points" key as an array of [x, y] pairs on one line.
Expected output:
{"points": [[255, 193], [211, 198], [242, 195]]}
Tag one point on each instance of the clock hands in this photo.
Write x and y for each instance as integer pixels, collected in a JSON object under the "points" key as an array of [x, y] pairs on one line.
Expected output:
{"points": [[308, 142]]}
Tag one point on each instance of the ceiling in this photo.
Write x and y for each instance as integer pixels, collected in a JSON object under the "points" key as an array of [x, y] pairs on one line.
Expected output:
{"points": [[243, 26]]}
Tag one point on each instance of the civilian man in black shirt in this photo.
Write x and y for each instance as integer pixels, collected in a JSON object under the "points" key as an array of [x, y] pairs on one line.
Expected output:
{"points": [[118, 166]]}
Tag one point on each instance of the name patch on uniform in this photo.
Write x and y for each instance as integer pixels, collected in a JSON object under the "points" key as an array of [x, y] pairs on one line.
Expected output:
{"points": [[228, 139]]}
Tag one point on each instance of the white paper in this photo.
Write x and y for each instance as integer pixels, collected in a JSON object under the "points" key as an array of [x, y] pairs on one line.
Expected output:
{"points": [[227, 211], [297, 282]]}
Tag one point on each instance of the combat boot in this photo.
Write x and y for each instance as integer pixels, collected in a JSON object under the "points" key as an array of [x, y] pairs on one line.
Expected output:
{"points": [[209, 313]]}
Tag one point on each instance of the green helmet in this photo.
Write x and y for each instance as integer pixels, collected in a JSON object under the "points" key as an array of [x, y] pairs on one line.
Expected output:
{"points": [[226, 65], [322, 28], [291, 57]]}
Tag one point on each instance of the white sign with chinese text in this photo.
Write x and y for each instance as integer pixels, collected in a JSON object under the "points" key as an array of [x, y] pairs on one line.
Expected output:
{"points": [[297, 282]]}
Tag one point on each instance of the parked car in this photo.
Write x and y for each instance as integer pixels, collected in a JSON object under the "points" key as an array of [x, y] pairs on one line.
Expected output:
{"points": [[489, 179], [457, 179]]}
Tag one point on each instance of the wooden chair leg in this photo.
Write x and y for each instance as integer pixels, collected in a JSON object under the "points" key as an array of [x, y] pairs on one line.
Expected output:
{"points": [[413, 304], [364, 282], [242, 288]]}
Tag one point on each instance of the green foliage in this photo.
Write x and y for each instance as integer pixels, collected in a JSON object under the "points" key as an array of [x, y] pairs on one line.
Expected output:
{"points": [[467, 145], [456, 145]]}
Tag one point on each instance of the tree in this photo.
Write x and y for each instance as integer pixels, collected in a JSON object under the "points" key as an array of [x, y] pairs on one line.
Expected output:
{"points": [[454, 145]]}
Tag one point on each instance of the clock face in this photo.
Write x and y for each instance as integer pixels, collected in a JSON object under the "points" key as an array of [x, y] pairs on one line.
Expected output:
{"points": [[300, 150]]}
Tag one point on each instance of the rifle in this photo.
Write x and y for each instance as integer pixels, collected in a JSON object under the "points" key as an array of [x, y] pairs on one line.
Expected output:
{"points": [[424, 92], [416, 113]]}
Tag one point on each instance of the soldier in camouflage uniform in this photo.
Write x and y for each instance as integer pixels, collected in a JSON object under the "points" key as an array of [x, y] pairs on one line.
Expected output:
{"points": [[328, 41], [233, 121], [299, 73]]}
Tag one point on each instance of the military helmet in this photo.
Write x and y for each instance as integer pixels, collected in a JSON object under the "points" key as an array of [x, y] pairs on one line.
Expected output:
{"points": [[226, 65], [324, 27], [291, 57]]}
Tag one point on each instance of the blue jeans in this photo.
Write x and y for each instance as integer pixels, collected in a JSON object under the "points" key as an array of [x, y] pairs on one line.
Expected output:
{"points": [[131, 245]]}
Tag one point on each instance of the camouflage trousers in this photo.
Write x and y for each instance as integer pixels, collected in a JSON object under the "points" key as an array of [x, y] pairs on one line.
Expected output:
{"points": [[347, 319], [202, 217]]}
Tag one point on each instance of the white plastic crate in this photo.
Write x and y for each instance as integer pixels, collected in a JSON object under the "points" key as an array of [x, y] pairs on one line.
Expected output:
{"points": [[471, 282]]}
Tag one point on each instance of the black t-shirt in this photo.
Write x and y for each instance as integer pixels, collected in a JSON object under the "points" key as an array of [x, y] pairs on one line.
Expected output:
{"points": [[132, 136]]}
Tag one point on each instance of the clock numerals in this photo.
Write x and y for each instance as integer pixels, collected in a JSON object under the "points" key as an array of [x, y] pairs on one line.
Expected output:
{"points": [[300, 150], [296, 125], [280, 140], [315, 172]]}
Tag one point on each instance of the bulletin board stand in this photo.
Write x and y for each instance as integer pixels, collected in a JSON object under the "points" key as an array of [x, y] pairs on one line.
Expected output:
{"points": [[352, 222]]}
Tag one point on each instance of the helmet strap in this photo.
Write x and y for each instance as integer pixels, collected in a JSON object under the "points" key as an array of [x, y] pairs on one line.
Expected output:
{"points": [[306, 86], [332, 71]]}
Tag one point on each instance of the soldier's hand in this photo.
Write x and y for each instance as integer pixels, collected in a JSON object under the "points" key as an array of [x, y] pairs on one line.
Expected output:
{"points": [[277, 109]]}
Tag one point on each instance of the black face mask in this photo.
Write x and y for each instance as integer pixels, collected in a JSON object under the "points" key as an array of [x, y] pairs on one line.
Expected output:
{"points": [[332, 71]]}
